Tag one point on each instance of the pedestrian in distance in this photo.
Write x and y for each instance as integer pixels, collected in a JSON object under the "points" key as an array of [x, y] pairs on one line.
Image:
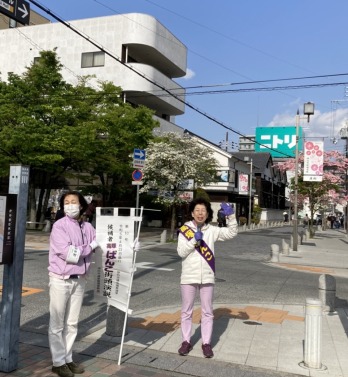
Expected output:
{"points": [[286, 216], [196, 248], [72, 242], [332, 219], [305, 221], [90, 212], [221, 218]]}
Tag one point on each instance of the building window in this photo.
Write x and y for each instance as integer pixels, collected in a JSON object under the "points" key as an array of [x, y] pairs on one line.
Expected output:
{"points": [[92, 59]]}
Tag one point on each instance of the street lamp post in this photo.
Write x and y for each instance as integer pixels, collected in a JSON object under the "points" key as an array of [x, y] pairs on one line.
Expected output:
{"points": [[308, 110], [250, 187], [344, 135]]}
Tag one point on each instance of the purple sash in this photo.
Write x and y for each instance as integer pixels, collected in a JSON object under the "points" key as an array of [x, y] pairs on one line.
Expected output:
{"points": [[203, 249]]}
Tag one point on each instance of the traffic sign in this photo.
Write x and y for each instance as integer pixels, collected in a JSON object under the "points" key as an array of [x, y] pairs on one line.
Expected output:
{"points": [[137, 175], [18, 10], [139, 157], [139, 154], [138, 164]]}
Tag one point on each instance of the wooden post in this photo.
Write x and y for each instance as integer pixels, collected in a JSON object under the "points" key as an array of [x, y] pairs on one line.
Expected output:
{"points": [[13, 275]]}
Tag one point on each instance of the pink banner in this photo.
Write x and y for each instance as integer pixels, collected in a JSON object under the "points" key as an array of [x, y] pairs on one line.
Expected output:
{"points": [[243, 186], [313, 161]]}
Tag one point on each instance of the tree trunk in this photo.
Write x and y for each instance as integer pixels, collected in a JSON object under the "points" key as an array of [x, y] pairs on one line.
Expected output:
{"points": [[40, 210], [32, 204], [173, 222], [45, 204], [311, 228], [323, 220]]}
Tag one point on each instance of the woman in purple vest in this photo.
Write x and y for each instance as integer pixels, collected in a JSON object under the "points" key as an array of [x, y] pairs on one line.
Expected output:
{"points": [[196, 248]]}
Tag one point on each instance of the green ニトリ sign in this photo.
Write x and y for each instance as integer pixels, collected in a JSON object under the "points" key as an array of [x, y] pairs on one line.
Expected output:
{"points": [[278, 141]]}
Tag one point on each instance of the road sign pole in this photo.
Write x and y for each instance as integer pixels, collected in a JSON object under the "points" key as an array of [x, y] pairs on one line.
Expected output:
{"points": [[13, 275], [137, 201], [137, 209]]}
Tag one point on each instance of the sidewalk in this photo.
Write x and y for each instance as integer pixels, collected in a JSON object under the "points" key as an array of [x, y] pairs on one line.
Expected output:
{"points": [[258, 340], [326, 253]]}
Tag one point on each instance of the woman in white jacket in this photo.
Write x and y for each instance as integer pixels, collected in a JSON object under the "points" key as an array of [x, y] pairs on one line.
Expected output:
{"points": [[196, 247]]}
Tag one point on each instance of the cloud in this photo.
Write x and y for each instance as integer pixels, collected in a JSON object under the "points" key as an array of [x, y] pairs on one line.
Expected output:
{"points": [[326, 125], [189, 74]]}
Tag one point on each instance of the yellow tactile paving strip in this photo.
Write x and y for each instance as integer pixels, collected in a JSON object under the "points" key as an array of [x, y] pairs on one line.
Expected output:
{"points": [[167, 322], [26, 291], [317, 270]]}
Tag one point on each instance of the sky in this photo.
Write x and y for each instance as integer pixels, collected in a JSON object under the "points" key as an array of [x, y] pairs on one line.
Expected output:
{"points": [[234, 45]]}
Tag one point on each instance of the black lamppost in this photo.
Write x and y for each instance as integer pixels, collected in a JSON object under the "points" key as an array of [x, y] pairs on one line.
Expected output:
{"points": [[344, 135], [250, 187], [308, 110]]}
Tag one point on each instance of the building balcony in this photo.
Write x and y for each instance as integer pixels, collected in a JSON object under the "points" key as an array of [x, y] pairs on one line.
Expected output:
{"points": [[139, 91]]}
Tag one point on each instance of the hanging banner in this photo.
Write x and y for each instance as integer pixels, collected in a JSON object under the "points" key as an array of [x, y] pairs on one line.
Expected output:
{"points": [[114, 267], [243, 184], [313, 161]]}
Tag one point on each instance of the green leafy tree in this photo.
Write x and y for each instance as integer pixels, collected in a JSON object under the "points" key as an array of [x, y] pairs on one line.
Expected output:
{"points": [[63, 131], [256, 214], [171, 160]]}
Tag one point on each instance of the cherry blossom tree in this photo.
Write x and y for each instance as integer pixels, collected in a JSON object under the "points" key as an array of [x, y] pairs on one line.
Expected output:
{"points": [[320, 195], [171, 160]]}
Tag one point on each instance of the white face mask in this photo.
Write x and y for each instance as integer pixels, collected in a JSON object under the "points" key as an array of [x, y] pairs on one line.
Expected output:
{"points": [[72, 210]]}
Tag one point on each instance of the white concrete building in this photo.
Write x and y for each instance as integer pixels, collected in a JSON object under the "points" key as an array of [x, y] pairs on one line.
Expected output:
{"points": [[137, 40]]}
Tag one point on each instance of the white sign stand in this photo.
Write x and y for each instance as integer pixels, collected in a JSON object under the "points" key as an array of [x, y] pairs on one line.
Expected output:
{"points": [[135, 249], [118, 290]]}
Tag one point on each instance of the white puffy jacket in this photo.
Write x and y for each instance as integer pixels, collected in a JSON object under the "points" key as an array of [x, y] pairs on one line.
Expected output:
{"points": [[195, 270]]}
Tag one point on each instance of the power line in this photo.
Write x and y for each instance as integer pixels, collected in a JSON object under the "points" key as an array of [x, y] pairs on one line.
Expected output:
{"points": [[217, 33], [262, 89], [196, 53], [171, 94], [111, 55]]}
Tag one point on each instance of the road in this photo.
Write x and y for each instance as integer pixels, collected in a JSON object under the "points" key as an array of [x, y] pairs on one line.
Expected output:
{"points": [[244, 276]]}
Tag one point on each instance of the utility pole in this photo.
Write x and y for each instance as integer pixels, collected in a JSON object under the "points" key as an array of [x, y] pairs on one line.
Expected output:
{"points": [[308, 110], [13, 274], [344, 136]]}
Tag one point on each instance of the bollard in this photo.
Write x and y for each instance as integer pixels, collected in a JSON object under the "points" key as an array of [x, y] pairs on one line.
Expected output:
{"points": [[285, 247], [301, 237], [274, 253], [164, 236], [47, 227], [327, 292], [312, 343]]}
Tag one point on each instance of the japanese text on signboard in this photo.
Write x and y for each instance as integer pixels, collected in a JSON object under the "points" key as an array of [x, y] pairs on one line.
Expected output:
{"points": [[278, 141], [114, 268]]}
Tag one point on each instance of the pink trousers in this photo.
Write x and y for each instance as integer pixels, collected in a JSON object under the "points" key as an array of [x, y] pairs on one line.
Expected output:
{"points": [[188, 294]]}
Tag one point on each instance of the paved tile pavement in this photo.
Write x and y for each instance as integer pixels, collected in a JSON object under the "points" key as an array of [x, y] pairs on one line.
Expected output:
{"points": [[249, 340]]}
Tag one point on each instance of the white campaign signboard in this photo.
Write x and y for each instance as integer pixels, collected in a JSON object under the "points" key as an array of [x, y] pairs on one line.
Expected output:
{"points": [[115, 265], [313, 161]]}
